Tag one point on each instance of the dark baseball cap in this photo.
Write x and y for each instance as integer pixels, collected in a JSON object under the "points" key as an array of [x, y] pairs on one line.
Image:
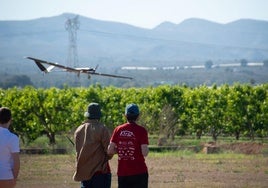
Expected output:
{"points": [[93, 111], [132, 110]]}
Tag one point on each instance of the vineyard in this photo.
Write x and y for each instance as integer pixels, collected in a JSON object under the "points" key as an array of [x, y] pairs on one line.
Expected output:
{"points": [[167, 111]]}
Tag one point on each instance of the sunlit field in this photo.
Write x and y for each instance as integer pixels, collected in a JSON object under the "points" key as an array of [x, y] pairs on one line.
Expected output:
{"points": [[166, 169]]}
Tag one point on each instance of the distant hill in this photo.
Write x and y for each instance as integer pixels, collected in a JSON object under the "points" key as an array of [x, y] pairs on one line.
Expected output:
{"points": [[116, 44]]}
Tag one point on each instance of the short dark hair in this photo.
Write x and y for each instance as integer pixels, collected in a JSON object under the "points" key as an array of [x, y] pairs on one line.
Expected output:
{"points": [[132, 117], [5, 115]]}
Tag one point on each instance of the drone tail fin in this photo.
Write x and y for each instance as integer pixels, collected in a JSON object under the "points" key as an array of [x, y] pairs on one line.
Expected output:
{"points": [[49, 69], [43, 68]]}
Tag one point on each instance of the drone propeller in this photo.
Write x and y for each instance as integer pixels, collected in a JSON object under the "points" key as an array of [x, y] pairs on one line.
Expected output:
{"points": [[97, 66]]}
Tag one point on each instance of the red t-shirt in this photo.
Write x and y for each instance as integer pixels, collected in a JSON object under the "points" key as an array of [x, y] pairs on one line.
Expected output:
{"points": [[128, 138]]}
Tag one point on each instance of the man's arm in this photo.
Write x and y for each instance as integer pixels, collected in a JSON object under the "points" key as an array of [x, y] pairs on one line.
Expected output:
{"points": [[144, 150], [16, 167], [111, 148]]}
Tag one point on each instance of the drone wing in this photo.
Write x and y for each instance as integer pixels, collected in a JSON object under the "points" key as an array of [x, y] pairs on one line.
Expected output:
{"points": [[40, 65], [111, 75], [89, 71]]}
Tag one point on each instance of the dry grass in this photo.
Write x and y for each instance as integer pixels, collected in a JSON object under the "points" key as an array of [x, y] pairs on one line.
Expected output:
{"points": [[165, 170]]}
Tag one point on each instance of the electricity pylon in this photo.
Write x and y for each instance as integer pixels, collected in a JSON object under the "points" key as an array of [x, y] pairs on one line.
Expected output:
{"points": [[72, 25]]}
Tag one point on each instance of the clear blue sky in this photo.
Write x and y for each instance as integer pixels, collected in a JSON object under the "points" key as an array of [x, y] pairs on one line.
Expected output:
{"points": [[142, 13]]}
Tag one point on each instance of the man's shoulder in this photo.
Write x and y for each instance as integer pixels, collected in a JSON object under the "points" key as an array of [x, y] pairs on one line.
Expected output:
{"points": [[142, 128], [96, 125], [130, 126], [122, 126], [8, 133], [80, 127]]}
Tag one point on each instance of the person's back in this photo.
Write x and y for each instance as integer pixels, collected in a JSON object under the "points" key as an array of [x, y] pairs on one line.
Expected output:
{"points": [[91, 138], [9, 151], [130, 142], [128, 138], [91, 142]]}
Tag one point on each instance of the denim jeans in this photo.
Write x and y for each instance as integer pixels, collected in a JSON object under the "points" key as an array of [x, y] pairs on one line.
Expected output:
{"points": [[135, 181], [98, 181]]}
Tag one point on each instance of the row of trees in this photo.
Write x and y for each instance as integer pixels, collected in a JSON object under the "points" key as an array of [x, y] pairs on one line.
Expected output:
{"points": [[212, 74], [166, 110], [243, 63], [8, 81]]}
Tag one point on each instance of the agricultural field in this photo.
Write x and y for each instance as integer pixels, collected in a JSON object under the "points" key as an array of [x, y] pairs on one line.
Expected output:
{"points": [[180, 120], [239, 165]]}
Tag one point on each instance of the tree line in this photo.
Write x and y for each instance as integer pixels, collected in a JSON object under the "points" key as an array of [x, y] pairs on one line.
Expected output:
{"points": [[168, 111], [177, 74]]}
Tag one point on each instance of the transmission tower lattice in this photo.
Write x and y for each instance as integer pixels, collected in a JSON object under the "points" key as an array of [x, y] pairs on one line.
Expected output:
{"points": [[72, 25]]}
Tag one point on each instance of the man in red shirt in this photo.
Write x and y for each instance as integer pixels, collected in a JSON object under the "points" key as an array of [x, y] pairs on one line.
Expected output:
{"points": [[130, 142]]}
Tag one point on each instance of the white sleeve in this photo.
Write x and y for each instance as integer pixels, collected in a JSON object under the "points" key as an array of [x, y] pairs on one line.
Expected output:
{"points": [[15, 145]]}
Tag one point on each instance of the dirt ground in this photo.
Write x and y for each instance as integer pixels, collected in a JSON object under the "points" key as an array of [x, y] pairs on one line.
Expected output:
{"points": [[172, 171]]}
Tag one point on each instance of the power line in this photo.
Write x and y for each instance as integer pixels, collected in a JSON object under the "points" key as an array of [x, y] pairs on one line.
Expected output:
{"points": [[173, 41]]}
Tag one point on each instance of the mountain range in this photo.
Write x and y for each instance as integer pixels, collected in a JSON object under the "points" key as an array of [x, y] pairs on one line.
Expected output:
{"points": [[117, 44]]}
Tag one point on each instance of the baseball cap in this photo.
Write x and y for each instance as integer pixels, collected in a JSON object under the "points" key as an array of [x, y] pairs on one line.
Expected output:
{"points": [[132, 110], [93, 111]]}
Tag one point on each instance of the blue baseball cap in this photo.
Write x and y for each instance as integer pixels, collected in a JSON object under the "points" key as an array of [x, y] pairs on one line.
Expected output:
{"points": [[132, 110]]}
